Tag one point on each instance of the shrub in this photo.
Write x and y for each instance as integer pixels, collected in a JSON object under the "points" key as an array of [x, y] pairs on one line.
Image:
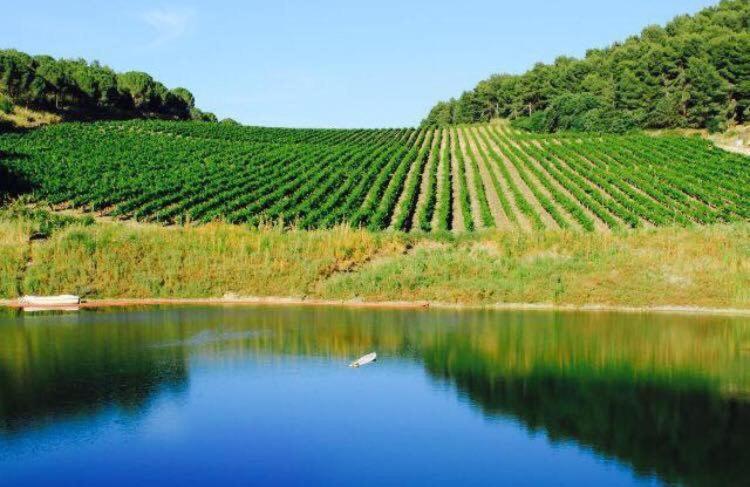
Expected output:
{"points": [[607, 120], [6, 106]]}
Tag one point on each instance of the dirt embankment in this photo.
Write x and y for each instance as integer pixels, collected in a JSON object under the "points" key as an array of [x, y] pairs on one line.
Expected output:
{"points": [[291, 301]]}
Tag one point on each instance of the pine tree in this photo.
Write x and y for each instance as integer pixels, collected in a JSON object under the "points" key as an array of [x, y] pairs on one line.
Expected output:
{"points": [[708, 95]]}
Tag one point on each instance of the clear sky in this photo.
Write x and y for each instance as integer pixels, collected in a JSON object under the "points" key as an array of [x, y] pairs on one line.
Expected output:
{"points": [[326, 63]]}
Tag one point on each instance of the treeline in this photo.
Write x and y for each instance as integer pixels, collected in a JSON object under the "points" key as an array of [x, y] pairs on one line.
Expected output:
{"points": [[78, 89], [694, 72]]}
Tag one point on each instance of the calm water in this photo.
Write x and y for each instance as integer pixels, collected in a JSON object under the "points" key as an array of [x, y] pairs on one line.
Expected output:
{"points": [[242, 396]]}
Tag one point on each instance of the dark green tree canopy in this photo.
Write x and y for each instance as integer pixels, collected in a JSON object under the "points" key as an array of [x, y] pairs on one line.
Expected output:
{"points": [[693, 72], [77, 88]]}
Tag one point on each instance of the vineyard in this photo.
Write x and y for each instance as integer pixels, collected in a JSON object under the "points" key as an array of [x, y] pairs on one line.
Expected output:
{"points": [[458, 179]]}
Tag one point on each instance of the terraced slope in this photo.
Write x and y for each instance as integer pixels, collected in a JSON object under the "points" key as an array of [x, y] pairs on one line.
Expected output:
{"points": [[458, 178]]}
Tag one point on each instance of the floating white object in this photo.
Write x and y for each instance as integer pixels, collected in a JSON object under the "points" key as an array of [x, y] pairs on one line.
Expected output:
{"points": [[50, 301], [369, 358], [39, 309], [33, 304]]}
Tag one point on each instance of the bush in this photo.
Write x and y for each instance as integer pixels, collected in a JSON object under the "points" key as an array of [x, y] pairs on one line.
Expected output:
{"points": [[6, 106], [715, 125], [201, 116], [537, 122], [566, 112], [578, 113], [608, 120]]}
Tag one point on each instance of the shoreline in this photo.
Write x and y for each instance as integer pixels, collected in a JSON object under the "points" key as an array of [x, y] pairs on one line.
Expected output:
{"points": [[312, 302]]}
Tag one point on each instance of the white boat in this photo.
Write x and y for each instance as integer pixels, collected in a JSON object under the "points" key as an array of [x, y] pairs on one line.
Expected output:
{"points": [[369, 358], [64, 301], [40, 309]]}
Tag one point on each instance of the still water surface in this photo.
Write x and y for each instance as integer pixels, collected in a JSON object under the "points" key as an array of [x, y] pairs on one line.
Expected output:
{"points": [[243, 396]]}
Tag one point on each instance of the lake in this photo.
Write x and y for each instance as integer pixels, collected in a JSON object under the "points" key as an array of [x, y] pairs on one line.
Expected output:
{"points": [[263, 395]]}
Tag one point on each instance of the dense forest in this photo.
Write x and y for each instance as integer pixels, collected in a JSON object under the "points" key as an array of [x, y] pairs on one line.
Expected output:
{"points": [[694, 72], [77, 89]]}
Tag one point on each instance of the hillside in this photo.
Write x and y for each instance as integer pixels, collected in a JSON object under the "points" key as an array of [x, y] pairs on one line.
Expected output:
{"points": [[694, 72], [458, 178], [35, 90]]}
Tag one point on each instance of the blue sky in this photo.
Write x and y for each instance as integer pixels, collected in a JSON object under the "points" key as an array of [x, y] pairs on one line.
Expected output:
{"points": [[326, 63]]}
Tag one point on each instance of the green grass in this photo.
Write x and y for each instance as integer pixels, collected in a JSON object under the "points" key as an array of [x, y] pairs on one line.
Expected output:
{"points": [[115, 260], [698, 266], [702, 266], [14, 236]]}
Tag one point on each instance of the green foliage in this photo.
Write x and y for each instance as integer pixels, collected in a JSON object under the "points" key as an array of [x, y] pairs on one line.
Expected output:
{"points": [[75, 87], [708, 94], [605, 119], [695, 72], [441, 114], [183, 94], [201, 116], [6, 106], [463, 183], [582, 112], [42, 222], [425, 214], [194, 172], [445, 202]]}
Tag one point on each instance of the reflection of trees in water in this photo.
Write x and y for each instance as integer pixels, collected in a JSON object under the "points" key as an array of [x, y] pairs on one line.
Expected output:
{"points": [[49, 373], [655, 392], [681, 432]]}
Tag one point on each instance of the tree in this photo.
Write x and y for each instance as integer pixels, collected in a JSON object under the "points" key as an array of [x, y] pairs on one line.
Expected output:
{"points": [[601, 87], [566, 112], [18, 77], [202, 116], [645, 78], [184, 95], [441, 114], [57, 80], [87, 89], [468, 108], [668, 110], [140, 87], [632, 91], [6, 106], [708, 94], [730, 54]]}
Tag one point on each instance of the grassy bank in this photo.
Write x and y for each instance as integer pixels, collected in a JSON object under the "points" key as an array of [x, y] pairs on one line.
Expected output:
{"points": [[113, 260], [14, 237], [699, 266]]}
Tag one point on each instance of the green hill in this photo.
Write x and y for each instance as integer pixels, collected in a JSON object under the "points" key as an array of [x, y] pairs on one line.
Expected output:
{"points": [[458, 178], [694, 72]]}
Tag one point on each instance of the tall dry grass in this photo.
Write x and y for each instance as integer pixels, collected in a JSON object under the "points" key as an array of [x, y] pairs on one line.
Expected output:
{"points": [[118, 260], [700, 266], [14, 237], [25, 118]]}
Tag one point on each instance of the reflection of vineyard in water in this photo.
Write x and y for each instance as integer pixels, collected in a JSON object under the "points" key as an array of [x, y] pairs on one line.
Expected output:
{"points": [[668, 395]]}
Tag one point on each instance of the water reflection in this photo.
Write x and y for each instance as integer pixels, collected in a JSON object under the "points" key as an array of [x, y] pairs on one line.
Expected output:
{"points": [[53, 368], [667, 395]]}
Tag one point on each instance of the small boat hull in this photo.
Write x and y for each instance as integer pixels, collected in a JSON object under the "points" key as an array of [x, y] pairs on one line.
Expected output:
{"points": [[40, 309], [50, 303], [367, 359]]}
